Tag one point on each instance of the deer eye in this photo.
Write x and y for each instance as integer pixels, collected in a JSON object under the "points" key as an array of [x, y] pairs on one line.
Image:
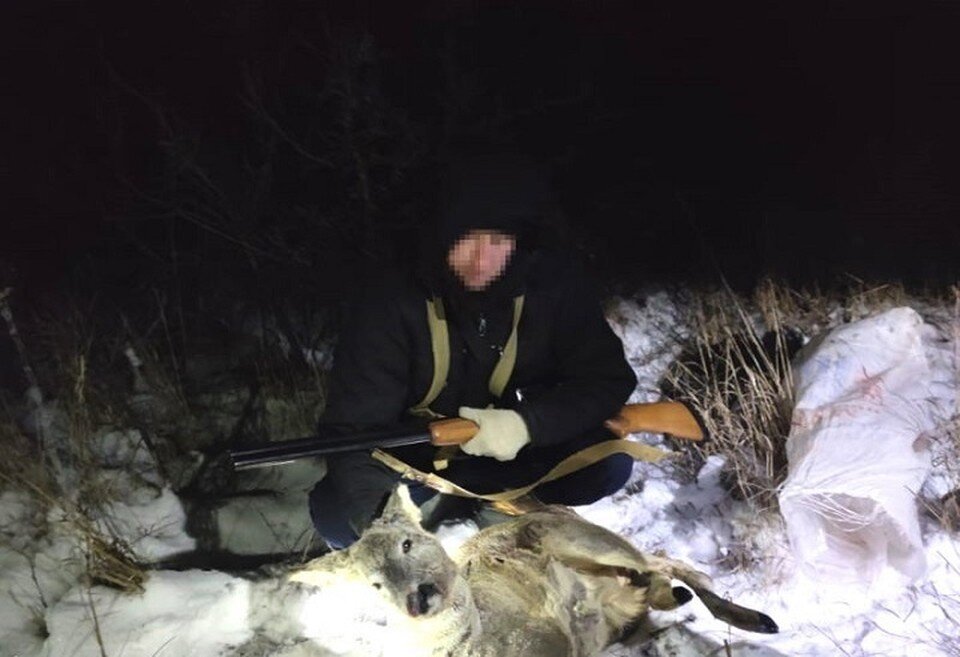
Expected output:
{"points": [[377, 585], [407, 544]]}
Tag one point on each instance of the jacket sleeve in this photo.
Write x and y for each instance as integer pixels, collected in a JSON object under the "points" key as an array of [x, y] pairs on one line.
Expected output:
{"points": [[367, 389], [369, 383], [594, 378]]}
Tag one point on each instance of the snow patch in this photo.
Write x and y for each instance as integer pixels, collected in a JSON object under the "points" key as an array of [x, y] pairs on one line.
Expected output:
{"points": [[182, 614]]}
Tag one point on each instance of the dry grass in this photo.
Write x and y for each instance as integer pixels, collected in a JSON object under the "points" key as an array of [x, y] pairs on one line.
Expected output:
{"points": [[58, 471], [292, 393], [740, 383], [946, 510], [108, 560], [952, 500], [95, 374]]}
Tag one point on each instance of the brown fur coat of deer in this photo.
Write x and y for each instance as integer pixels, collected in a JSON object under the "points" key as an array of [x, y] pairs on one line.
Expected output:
{"points": [[545, 584]]}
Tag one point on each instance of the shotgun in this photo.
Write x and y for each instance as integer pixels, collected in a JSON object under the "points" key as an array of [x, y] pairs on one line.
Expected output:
{"points": [[674, 418]]}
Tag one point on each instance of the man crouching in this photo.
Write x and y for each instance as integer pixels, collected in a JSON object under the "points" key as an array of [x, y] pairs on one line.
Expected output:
{"points": [[489, 325]]}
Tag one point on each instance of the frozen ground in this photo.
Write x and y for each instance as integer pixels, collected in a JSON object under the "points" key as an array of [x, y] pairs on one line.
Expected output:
{"points": [[47, 610]]}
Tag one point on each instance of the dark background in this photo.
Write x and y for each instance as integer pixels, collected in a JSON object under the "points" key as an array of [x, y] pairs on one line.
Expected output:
{"points": [[228, 148]]}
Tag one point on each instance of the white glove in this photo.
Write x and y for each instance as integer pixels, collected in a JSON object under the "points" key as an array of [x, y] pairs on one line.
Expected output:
{"points": [[502, 433]]}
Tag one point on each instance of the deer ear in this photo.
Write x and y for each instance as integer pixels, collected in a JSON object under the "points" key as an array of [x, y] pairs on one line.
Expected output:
{"points": [[400, 507]]}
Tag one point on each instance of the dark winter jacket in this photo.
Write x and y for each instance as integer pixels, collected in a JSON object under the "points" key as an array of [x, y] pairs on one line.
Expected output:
{"points": [[570, 368]]}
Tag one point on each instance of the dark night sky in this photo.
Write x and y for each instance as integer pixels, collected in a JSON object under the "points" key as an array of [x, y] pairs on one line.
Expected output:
{"points": [[801, 137]]}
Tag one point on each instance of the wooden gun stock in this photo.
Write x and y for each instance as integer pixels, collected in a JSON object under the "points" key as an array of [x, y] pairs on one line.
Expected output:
{"points": [[669, 417], [656, 417]]}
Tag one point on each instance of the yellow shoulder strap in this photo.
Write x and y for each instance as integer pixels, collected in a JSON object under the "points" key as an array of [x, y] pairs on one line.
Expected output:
{"points": [[508, 359], [440, 346]]}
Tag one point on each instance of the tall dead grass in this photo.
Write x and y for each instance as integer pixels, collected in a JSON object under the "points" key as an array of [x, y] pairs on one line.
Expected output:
{"points": [[736, 374], [947, 509], [96, 373], [106, 559], [55, 467]]}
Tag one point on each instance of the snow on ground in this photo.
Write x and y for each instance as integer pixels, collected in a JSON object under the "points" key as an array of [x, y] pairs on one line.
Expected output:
{"points": [[180, 613], [209, 614]]}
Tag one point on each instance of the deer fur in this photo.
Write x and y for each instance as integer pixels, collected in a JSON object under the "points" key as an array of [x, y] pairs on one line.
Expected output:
{"points": [[547, 583]]}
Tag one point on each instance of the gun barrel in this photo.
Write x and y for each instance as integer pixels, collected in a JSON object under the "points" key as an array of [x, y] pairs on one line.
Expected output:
{"points": [[277, 453]]}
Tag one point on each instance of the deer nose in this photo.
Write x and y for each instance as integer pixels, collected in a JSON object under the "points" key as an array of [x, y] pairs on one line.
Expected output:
{"points": [[426, 590], [424, 593]]}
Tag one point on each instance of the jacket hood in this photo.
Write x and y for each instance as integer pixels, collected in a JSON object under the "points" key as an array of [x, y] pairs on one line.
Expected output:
{"points": [[493, 189]]}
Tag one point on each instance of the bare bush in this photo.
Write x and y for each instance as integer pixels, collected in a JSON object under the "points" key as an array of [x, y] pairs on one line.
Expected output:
{"points": [[947, 508], [65, 422], [107, 559], [736, 374]]}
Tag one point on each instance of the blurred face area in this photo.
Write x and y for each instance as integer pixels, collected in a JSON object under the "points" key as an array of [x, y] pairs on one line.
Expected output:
{"points": [[480, 257]]}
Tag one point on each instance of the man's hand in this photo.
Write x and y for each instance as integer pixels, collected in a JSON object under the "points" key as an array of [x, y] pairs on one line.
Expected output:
{"points": [[502, 433]]}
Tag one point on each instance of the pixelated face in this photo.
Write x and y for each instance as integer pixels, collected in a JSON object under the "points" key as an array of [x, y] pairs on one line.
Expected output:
{"points": [[480, 257]]}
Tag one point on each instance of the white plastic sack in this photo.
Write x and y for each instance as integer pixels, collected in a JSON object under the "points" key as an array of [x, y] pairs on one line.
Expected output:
{"points": [[857, 452]]}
